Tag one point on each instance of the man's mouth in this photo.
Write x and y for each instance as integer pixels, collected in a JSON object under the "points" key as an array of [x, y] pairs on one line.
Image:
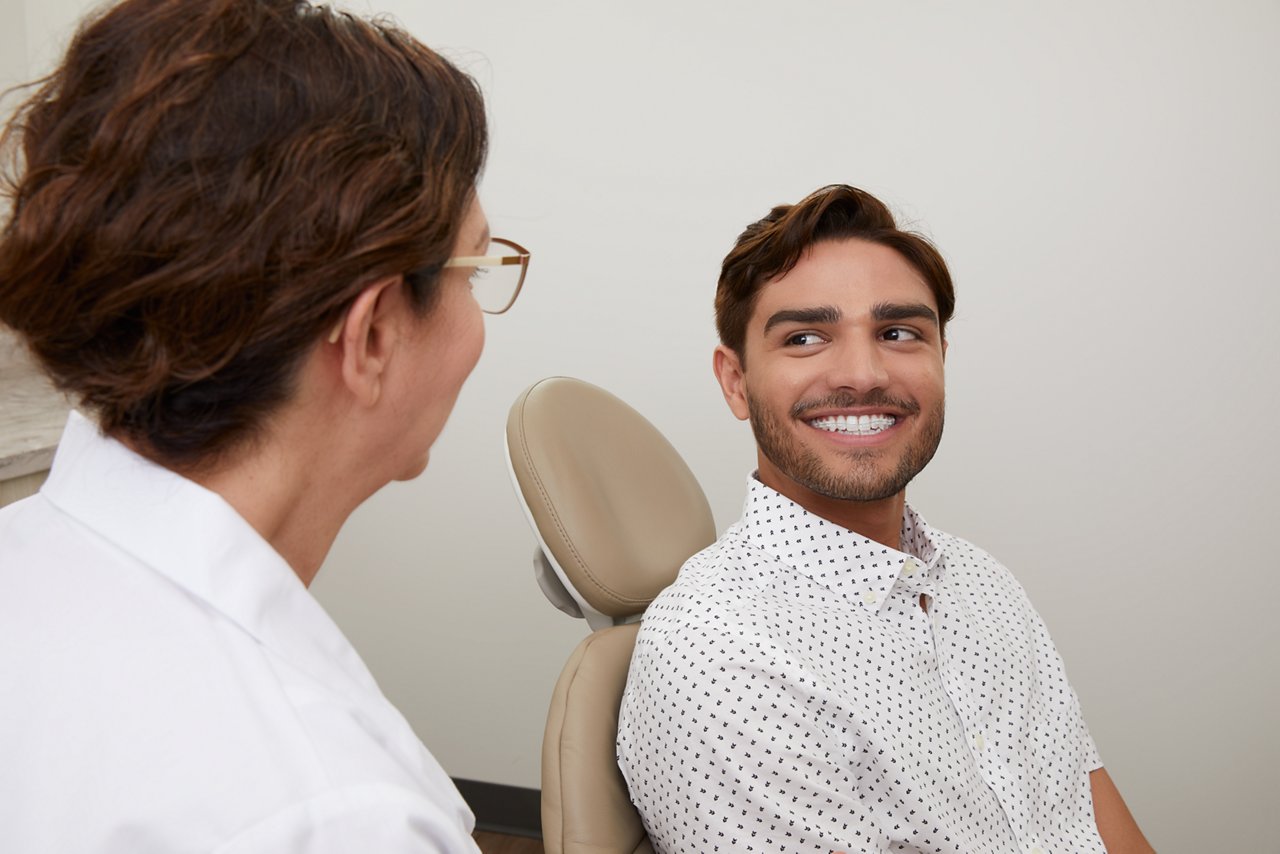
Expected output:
{"points": [[855, 425]]}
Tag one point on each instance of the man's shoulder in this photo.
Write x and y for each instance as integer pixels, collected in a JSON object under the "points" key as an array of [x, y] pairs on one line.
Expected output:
{"points": [[725, 566], [971, 567], [961, 555], [712, 588]]}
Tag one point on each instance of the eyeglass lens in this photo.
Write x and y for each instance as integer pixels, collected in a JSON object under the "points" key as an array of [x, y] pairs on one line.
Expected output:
{"points": [[495, 286]]}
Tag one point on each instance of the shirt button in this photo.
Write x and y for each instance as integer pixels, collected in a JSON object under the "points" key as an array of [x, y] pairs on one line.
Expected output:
{"points": [[981, 744], [869, 597], [1038, 851], [908, 568]]}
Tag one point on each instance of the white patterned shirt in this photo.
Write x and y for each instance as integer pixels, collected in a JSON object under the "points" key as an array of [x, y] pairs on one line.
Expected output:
{"points": [[788, 693]]}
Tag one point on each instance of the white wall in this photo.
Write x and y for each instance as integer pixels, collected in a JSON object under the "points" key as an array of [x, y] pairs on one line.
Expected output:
{"points": [[1103, 179], [13, 53]]}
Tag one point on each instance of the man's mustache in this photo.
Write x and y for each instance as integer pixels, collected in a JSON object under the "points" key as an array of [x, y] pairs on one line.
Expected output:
{"points": [[848, 400]]}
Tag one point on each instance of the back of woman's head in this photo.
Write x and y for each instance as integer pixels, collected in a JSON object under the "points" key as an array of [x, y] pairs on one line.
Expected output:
{"points": [[201, 189]]}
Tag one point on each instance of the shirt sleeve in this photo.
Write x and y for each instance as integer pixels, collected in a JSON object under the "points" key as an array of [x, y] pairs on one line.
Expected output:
{"points": [[1052, 671], [373, 817], [1092, 759], [724, 754]]}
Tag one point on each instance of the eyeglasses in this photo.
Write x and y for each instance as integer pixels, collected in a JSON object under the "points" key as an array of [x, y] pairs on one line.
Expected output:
{"points": [[496, 282], [498, 275]]}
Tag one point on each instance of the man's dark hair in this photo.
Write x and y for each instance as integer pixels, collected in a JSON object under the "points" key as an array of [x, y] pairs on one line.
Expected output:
{"points": [[770, 247]]}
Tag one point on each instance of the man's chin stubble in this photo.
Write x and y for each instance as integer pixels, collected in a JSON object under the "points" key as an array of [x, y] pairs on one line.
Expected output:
{"points": [[807, 469]]}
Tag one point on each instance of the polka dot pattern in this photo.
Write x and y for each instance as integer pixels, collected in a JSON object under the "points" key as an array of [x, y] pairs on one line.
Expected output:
{"points": [[789, 693]]}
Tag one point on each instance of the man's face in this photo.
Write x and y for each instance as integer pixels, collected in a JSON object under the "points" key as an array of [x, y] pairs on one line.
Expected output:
{"points": [[843, 378]]}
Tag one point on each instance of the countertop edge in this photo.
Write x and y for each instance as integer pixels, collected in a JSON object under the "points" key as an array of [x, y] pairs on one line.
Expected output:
{"points": [[27, 462]]}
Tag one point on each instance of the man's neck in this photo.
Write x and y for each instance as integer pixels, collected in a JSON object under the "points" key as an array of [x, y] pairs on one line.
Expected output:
{"points": [[880, 520]]}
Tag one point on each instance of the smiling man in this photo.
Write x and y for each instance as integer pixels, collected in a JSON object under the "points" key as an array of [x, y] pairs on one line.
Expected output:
{"points": [[834, 675]]}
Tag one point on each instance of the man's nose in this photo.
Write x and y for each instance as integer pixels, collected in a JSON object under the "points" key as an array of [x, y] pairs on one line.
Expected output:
{"points": [[859, 366]]}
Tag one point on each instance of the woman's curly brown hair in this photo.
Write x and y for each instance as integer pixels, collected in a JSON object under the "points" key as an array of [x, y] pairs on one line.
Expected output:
{"points": [[201, 189]]}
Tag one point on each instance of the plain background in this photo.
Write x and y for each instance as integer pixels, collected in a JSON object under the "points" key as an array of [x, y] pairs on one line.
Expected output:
{"points": [[1103, 178]]}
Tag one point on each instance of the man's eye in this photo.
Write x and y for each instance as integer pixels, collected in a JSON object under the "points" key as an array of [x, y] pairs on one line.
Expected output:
{"points": [[478, 273], [898, 333], [802, 339]]}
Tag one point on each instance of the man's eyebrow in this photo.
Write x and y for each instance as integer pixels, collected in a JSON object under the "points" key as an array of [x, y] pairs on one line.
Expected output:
{"points": [[903, 311], [820, 314]]}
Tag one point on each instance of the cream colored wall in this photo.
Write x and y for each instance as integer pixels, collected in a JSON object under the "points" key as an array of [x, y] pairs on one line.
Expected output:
{"points": [[1102, 178], [13, 42], [13, 70]]}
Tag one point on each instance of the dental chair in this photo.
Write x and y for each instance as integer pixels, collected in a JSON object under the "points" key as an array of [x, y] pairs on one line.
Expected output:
{"points": [[616, 512]]}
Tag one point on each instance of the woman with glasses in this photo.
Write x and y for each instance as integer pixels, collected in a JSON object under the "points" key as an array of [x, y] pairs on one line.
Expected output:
{"points": [[244, 238]]}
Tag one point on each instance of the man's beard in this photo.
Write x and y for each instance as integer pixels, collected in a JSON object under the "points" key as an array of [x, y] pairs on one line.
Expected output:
{"points": [[862, 480]]}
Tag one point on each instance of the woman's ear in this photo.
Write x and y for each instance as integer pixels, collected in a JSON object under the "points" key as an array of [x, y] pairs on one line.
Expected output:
{"points": [[367, 337]]}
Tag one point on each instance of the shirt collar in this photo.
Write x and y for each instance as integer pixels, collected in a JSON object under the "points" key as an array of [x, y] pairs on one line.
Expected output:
{"points": [[843, 561], [194, 538]]}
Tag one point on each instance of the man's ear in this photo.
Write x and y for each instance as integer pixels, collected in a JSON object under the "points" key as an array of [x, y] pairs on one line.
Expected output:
{"points": [[944, 349], [367, 337], [732, 379]]}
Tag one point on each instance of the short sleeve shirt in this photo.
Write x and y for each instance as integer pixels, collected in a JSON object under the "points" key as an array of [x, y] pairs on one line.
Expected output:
{"points": [[789, 693]]}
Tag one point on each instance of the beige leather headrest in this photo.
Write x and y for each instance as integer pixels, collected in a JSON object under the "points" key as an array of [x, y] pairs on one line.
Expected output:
{"points": [[616, 506]]}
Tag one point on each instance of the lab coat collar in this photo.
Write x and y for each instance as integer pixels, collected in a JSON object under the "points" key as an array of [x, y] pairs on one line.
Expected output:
{"points": [[193, 537]]}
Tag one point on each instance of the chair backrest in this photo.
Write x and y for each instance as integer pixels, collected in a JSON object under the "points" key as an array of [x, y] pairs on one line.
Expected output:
{"points": [[585, 804], [616, 513]]}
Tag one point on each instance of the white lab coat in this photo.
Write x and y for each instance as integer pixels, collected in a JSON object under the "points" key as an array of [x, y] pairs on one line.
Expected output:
{"points": [[167, 684]]}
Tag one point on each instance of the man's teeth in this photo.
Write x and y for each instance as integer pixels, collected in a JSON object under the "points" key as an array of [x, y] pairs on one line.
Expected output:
{"points": [[855, 425]]}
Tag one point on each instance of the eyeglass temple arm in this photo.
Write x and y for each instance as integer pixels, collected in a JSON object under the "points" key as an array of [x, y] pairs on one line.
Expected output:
{"points": [[485, 260]]}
